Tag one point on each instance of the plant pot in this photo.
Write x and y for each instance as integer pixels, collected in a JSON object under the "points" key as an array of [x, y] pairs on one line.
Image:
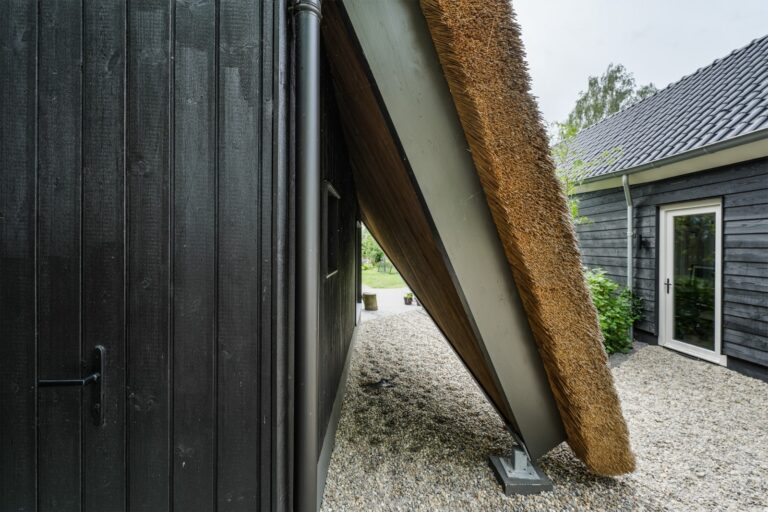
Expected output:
{"points": [[369, 302], [408, 300]]}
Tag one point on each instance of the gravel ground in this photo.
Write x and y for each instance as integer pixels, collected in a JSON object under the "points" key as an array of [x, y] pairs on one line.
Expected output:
{"points": [[700, 433]]}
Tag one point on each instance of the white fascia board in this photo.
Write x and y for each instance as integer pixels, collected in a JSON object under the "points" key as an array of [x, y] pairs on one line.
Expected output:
{"points": [[728, 156]]}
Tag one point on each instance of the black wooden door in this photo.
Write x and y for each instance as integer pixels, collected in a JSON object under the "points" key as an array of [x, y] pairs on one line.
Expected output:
{"points": [[62, 266], [144, 195]]}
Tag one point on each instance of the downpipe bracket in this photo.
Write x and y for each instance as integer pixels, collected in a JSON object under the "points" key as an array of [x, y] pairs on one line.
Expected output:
{"points": [[312, 6]]}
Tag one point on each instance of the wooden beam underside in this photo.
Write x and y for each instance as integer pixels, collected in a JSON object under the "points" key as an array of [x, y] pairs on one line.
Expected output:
{"points": [[392, 208]]}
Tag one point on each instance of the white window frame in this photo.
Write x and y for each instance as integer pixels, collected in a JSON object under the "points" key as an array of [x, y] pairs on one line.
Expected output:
{"points": [[667, 213]]}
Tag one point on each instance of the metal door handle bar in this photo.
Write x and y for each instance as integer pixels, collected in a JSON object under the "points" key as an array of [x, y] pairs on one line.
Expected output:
{"points": [[97, 378], [70, 382]]}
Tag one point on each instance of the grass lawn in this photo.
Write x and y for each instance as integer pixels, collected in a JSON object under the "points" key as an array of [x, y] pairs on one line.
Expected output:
{"points": [[376, 279]]}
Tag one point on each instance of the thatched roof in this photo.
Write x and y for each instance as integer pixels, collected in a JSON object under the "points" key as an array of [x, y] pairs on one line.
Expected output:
{"points": [[483, 59], [548, 369]]}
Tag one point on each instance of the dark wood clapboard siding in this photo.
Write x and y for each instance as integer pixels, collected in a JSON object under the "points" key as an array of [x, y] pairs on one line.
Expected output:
{"points": [[758, 284], [18, 160], [737, 296], [338, 288], [748, 198], [748, 241], [744, 192], [144, 206]]}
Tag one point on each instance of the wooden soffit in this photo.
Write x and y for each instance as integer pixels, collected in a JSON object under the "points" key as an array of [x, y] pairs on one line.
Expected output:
{"points": [[420, 197]]}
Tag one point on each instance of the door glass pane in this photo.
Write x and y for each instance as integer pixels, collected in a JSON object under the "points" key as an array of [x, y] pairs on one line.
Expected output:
{"points": [[694, 279]]}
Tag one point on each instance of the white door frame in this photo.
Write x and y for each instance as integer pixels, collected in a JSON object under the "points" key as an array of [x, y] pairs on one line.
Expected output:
{"points": [[667, 213]]}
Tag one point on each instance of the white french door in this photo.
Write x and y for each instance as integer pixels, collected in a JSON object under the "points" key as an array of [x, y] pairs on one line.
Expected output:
{"points": [[690, 279]]}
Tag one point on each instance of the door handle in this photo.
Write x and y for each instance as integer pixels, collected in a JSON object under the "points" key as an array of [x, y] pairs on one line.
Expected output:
{"points": [[96, 378], [668, 283]]}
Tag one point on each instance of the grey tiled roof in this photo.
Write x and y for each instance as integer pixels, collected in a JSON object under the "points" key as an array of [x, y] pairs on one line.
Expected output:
{"points": [[727, 99]]}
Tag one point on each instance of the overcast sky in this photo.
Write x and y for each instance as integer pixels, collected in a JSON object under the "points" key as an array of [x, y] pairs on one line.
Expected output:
{"points": [[660, 41]]}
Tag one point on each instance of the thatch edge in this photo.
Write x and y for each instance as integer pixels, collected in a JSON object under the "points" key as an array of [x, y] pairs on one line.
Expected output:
{"points": [[583, 385]]}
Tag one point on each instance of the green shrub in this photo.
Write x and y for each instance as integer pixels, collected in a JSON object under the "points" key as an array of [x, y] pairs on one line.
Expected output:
{"points": [[617, 309], [385, 266], [370, 249]]}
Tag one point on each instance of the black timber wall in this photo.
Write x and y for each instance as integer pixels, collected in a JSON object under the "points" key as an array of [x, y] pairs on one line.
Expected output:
{"points": [[744, 192], [143, 206], [339, 286]]}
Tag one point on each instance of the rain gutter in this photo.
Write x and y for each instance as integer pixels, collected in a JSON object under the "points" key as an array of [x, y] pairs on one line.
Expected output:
{"points": [[687, 155], [630, 236]]}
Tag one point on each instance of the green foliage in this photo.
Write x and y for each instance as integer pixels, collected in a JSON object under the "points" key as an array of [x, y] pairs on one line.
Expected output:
{"points": [[615, 89], [605, 95], [386, 266], [571, 169], [375, 279], [377, 270], [645, 91], [617, 310], [370, 248]]}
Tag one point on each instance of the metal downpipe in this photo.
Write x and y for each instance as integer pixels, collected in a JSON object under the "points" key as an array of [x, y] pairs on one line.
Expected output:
{"points": [[630, 238], [306, 15]]}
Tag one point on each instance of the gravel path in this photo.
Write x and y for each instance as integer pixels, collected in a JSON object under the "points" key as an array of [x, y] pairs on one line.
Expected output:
{"points": [[700, 433], [390, 301]]}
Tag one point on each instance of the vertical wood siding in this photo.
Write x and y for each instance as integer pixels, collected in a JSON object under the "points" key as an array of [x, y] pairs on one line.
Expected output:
{"points": [[148, 156], [19, 30], [744, 192], [338, 290], [59, 187], [144, 202], [194, 252], [103, 236]]}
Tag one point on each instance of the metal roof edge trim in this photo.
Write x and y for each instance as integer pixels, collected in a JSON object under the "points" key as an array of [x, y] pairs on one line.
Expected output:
{"points": [[687, 155]]}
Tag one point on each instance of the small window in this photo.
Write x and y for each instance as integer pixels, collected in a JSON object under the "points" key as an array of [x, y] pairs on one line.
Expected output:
{"points": [[331, 228]]}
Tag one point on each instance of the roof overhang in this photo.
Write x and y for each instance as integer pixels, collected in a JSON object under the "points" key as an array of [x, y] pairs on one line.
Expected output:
{"points": [[449, 159], [739, 149], [420, 197]]}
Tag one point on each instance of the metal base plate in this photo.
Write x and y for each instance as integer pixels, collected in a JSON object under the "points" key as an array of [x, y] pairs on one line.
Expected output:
{"points": [[518, 475]]}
